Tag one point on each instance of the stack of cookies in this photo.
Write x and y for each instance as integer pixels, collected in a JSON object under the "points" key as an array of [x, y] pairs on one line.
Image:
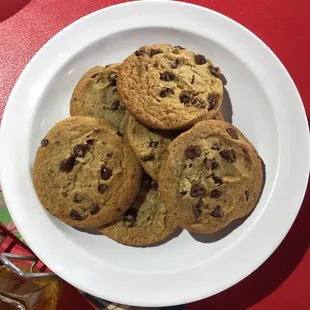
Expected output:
{"points": [[146, 150]]}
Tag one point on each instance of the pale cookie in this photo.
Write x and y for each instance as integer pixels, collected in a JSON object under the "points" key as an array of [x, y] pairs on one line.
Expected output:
{"points": [[95, 95], [146, 222]]}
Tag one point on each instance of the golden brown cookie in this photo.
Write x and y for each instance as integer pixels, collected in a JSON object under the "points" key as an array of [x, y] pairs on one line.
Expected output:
{"points": [[150, 144], [146, 222], [84, 174], [95, 95], [211, 176], [166, 87]]}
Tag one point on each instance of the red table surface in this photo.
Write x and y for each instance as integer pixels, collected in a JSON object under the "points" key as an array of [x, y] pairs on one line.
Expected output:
{"points": [[283, 281]]}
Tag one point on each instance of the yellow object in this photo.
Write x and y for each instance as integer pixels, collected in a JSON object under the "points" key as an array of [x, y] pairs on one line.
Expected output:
{"points": [[30, 294]]}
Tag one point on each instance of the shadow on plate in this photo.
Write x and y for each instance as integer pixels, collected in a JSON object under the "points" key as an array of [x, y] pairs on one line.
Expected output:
{"points": [[226, 108], [210, 238]]}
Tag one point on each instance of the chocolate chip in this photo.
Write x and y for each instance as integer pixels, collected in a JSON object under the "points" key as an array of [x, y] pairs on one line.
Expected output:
{"points": [[130, 216], [247, 195], [179, 47], [153, 144], [216, 146], [193, 79], [186, 97], [167, 76], [139, 53], [214, 164], [228, 155], [197, 211], [67, 164], [102, 188], [44, 142], [155, 52], [175, 64], [232, 132], [197, 191], [148, 157], [109, 155], [216, 71], [215, 193], [75, 215], [210, 163], [217, 179], [107, 66], [245, 151], [94, 209], [113, 79], [166, 91], [80, 150], [192, 152], [154, 185], [93, 76], [200, 59], [120, 134], [90, 141], [146, 181], [183, 193], [105, 173], [212, 100], [217, 212], [74, 99], [77, 198], [115, 105]]}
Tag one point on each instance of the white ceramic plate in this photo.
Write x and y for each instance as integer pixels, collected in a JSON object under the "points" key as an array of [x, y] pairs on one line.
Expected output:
{"points": [[266, 107]]}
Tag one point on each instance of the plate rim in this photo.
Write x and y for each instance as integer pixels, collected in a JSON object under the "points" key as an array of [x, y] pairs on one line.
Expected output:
{"points": [[6, 121]]}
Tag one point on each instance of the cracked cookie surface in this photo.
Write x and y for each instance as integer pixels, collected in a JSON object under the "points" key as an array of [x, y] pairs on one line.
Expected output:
{"points": [[211, 176], [150, 144], [84, 174], [95, 95], [145, 222], [166, 87]]}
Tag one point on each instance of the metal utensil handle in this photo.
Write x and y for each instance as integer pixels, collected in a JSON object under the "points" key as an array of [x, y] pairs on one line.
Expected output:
{"points": [[6, 258]]}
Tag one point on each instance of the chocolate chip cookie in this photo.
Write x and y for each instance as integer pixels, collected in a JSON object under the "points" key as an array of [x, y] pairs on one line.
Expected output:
{"points": [[166, 87], [150, 144], [145, 222], [211, 176], [84, 174], [95, 95]]}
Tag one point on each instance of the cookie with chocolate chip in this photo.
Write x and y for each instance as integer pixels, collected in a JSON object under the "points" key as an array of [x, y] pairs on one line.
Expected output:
{"points": [[84, 174], [150, 144], [146, 222], [211, 175], [95, 95], [166, 87]]}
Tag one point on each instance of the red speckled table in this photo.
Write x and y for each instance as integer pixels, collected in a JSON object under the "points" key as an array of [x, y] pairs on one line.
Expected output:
{"points": [[283, 281]]}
